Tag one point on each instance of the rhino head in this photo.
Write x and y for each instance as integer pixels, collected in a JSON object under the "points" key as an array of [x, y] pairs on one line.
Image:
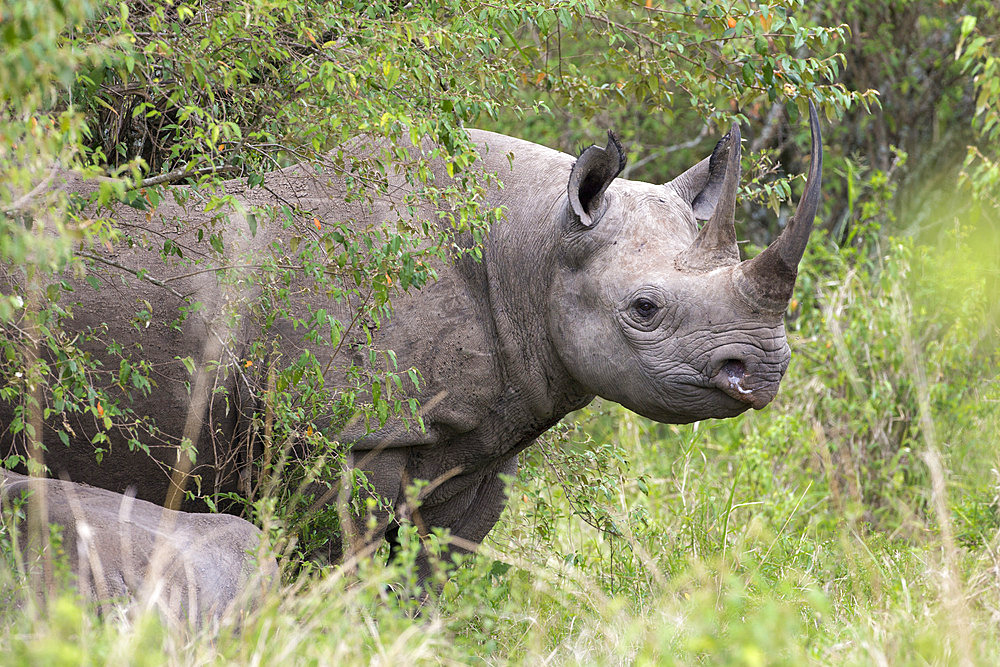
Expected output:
{"points": [[653, 312]]}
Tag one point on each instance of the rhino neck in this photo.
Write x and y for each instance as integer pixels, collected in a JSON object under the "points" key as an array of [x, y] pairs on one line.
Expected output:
{"points": [[521, 253], [532, 368]]}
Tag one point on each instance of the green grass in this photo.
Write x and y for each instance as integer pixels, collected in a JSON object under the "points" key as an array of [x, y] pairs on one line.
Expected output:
{"points": [[854, 521]]}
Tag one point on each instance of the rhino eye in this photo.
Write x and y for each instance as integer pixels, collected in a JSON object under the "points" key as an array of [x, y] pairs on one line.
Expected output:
{"points": [[644, 308]]}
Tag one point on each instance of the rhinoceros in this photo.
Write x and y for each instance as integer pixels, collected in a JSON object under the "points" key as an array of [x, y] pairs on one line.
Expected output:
{"points": [[192, 568], [590, 285]]}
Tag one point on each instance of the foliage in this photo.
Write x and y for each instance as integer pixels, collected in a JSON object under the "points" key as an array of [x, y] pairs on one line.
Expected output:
{"points": [[778, 538], [906, 80], [813, 531], [976, 52], [156, 93], [912, 52], [671, 77]]}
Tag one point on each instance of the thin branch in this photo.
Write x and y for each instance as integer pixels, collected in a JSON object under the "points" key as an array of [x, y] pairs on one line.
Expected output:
{"points": [[121, 90], [26, 200], [183, 172], [660, 152], [640, 37], [219, 268], [143, 275], [774, 116]]}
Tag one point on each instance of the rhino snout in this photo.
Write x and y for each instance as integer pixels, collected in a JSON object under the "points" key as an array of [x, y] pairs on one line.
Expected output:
{"points": [[747, 381]]}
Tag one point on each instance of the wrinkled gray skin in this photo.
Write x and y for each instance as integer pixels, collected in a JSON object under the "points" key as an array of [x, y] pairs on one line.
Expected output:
{"points": [[190, 567], [591, 285]]}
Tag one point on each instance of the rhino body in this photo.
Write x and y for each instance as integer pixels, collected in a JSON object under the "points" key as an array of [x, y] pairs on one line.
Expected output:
{"points": [[190, 567], [590, 285]]}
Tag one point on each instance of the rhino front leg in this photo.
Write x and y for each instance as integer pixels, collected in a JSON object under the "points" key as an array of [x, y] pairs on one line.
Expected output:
{"points": [[469, 517], [363, 533]]}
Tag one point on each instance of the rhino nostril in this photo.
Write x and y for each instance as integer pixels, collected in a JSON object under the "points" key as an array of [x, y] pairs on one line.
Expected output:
{"points": [[754, 386], [734, 369], [731, 377]]}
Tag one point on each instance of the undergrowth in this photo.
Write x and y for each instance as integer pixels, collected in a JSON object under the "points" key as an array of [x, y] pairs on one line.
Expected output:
{"points": [[854, 521]]}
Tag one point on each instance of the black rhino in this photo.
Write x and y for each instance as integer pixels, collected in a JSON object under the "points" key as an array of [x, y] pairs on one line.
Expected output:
{"points": [[589, 285], [192, 568]]}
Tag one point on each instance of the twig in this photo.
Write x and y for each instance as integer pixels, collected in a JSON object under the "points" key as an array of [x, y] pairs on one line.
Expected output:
{"points": [[143, 275], [774, 116], [183, 172], [667, 150], [24, 201]]}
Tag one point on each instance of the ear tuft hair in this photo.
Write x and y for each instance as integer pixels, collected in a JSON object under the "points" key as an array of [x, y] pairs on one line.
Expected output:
{"points": [[622, 157]]}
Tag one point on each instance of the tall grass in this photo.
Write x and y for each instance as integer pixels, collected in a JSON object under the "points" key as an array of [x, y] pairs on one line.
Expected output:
{"points": [[854, 521]]}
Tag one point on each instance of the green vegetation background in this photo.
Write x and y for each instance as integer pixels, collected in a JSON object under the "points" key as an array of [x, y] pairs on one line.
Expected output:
{"points": [[855, 520]]}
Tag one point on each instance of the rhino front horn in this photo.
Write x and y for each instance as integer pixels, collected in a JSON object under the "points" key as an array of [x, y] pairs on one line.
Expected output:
{"points": [[767, 280]]}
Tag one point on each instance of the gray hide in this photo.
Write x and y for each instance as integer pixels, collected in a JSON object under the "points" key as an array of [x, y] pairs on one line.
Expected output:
{"points": [[591, 285], [190, 567]]}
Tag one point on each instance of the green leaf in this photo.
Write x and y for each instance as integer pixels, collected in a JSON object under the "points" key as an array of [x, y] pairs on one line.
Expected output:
{"points": [[188, 364], [135, 199], [215, 240]]}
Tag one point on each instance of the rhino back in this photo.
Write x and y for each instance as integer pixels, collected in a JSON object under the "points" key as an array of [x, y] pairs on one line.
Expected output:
{"points": [[444, 330]]}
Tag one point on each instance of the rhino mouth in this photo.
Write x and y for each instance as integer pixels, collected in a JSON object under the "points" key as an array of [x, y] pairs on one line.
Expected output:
{"points": [[690, 398], [734, 381]]}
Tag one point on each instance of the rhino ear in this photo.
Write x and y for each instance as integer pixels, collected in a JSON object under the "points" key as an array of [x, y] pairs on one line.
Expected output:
{"points": [[590, 177], [701, 185]]}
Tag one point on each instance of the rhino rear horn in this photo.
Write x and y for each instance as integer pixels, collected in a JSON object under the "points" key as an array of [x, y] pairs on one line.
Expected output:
{"points": [[590, 177], [715, 244], [767, 280]]}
